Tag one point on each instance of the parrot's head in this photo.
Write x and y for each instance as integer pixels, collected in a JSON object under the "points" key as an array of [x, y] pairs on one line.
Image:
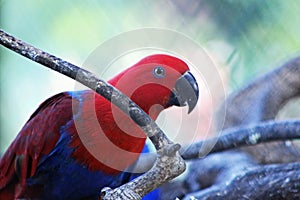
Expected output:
{"points": [[157, 82]]}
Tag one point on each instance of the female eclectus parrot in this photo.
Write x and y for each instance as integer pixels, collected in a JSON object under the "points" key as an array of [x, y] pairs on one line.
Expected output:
{"points": [[77, 142]]}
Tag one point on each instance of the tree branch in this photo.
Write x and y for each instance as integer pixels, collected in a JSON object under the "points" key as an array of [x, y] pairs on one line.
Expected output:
{"points": [[241, 136], [163, 170], [279, 181], [246, 136], [261, 100], [217, 167]]}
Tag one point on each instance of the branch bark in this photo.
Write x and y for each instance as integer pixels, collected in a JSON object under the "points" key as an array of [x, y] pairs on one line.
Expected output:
{"points": [[163, 169], [246, 136], [279, 181]]}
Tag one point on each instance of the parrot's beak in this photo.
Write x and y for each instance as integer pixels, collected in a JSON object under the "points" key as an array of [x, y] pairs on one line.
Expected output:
{"points": [[186, 92]]}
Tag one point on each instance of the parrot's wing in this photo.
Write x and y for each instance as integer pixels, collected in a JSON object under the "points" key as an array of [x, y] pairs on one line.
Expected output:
{"points": [[36, 139]]}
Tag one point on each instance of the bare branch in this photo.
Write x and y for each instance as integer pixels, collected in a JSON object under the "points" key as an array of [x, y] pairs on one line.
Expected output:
{"points": [[212, 171], [158, 138], [240, 136], [216, 169], [278, 181], [246, 136], [261, 100]]}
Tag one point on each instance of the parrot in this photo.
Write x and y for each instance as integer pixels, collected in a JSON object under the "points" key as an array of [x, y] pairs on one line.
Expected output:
{"points": [[78, 142]]}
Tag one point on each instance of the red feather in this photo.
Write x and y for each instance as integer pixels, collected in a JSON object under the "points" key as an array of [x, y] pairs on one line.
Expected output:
{"points": [[37, 138], [101, 141]]}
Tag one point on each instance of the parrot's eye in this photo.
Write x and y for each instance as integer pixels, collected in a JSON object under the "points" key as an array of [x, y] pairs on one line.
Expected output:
{"points": [[159, 72]]}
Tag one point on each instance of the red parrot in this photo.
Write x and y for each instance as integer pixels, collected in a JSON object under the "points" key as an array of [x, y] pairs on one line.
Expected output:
{"points": [[77, 142]]}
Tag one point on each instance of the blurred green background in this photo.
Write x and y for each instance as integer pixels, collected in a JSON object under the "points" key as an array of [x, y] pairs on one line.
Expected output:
{"points": [[246, 38]]}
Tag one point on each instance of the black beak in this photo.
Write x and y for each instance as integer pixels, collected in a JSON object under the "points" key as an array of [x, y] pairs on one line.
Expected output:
{"points": [[186, 92]]}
